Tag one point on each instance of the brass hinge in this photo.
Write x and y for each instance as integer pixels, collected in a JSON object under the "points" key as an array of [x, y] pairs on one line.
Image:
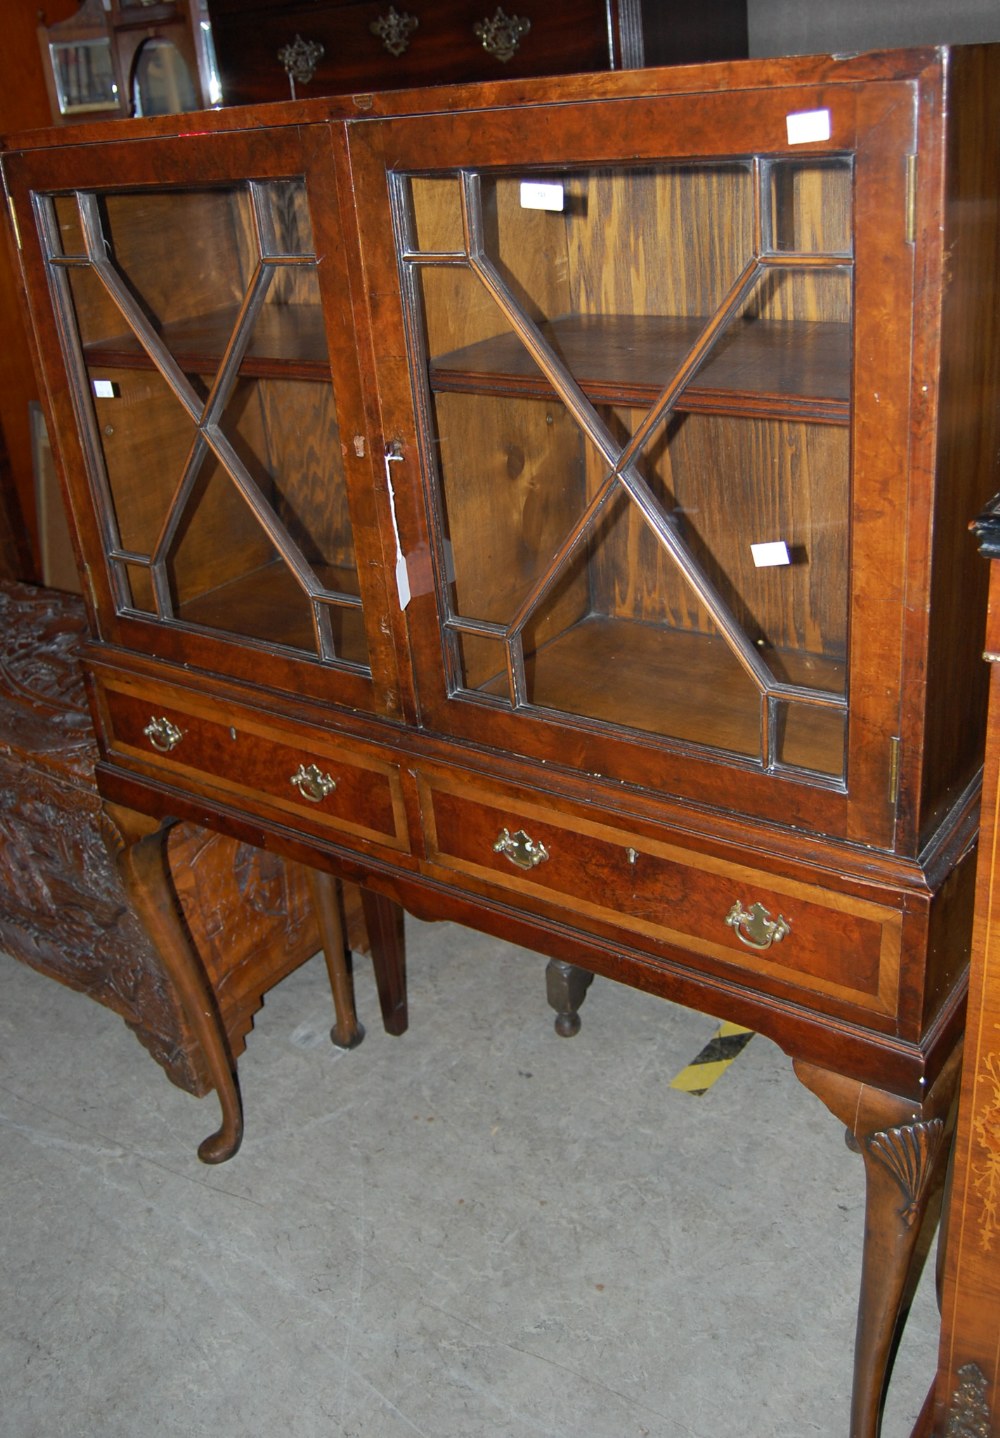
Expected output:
{"points": [[911, 199], [13, 220], [894, 748]]}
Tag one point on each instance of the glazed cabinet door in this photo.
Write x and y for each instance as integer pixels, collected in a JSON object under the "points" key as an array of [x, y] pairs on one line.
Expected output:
{"points": [[660, 435], [202, 368]]}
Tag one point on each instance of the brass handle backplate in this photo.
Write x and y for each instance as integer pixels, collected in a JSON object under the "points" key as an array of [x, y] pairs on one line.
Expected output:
{"points": [[755, 927], [521, 850], [163, 735], [299, 60], [312, 783], [501, 36], [394, 30]]}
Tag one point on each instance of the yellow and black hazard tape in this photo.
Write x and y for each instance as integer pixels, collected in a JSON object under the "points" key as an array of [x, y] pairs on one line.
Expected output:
{"points": [[701, 1073]]}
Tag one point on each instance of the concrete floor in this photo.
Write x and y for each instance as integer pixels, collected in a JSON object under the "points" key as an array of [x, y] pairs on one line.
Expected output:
{"points": [[476, 1229]]}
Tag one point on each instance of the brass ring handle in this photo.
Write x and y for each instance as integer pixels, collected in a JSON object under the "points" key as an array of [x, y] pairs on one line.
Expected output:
{"points": [[162, 734], [312, 783], [394, 30], [522, 851], [755, 927], [501, 36]]}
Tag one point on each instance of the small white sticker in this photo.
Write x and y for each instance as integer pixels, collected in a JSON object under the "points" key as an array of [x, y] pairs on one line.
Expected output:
{"points": [[542, 195], [808, 126], [774, 552], [105, 388]]}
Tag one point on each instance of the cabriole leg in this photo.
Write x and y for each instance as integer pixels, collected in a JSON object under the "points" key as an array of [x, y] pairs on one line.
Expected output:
{"points": [[904, 1146], [145, 872]]}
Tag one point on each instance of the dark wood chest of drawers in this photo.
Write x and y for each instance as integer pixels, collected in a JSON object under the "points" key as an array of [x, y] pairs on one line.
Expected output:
{"points": [[268, 51]]}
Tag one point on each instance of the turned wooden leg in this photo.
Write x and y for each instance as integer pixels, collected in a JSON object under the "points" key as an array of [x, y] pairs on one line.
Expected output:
{"points": [[904, 1146], [566, 988], [384, 923], [346, 1032], [145, 872]]}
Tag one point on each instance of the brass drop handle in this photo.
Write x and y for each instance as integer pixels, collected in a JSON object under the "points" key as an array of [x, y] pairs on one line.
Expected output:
{"points": [[501, 36], [755, 927], [299, 60], [521, 850], [162, 734], [394, 30], [312, 783]]}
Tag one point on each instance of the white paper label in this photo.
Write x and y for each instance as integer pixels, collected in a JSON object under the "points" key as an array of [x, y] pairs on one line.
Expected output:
{"points": [[402, 573], [105, 388], [541, 195], [808, 126], [774, 552]]}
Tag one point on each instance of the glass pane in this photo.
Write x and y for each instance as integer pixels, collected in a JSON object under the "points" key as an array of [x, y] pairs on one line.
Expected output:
{"points": [[437, 214], [681, 684], [811, 206], [69, 234], [512, 484], [640, 423], [619, 242], [813, 739], [206, 379], [284, 204], [157, 449]]}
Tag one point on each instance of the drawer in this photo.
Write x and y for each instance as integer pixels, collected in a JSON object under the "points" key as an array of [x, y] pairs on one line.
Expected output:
{"points": [[442, 48], [726, 913], [329, 782]]}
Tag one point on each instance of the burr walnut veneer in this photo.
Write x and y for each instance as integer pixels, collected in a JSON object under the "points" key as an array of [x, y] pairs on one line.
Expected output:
{"points": [[546, 504]]}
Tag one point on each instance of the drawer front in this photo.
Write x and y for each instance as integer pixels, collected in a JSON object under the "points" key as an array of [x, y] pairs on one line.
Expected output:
{"points": [[330, 783], [442, 48], [822, 940]]}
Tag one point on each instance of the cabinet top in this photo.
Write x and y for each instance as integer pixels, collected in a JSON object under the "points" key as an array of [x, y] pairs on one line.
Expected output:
{"points": [[734, 75]]}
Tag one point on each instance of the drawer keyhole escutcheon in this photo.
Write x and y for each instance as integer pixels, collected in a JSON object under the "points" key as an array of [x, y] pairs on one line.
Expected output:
{"points": [[312, 783], [163, 735], [755, 927], [521, 850]]}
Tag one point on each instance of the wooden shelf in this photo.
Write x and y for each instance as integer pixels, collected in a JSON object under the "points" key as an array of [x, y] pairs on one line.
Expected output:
{"points": [[269, 605], [681, 685], [779, 369], [288, 342]]}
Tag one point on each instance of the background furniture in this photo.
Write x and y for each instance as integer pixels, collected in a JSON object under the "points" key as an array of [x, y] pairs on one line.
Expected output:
{"points": [[251, 917], [968, 1379], [129, 57], [580, 550], [271, 51]]}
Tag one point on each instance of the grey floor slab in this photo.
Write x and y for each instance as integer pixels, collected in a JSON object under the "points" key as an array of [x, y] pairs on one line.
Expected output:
{"points": [[475, 1229]]}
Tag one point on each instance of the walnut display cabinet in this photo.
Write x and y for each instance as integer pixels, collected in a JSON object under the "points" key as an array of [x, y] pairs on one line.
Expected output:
{"points": [[546, 503]]}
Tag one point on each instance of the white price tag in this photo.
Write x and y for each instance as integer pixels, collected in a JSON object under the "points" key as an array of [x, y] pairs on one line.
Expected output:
{"points": [[542, 195], [394, 455], [105, 388], [808, 126], [774, 552]]}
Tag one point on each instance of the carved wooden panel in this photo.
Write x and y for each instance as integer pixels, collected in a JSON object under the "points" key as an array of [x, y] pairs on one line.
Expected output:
{"points": [[62, 907]]}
